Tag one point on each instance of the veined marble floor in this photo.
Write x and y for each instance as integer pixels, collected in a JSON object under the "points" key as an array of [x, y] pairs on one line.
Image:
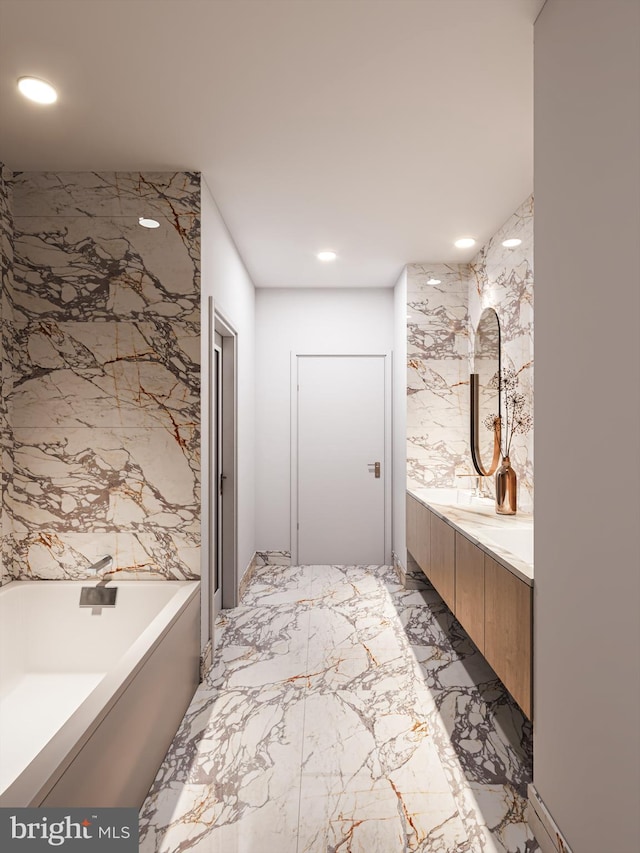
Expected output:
{"points": [[343, 714]]}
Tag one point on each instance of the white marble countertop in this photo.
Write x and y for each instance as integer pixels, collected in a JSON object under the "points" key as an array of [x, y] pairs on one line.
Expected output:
{"points": [[508, 539]]}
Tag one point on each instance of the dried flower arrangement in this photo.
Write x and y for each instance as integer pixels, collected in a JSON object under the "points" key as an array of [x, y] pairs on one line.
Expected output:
{"points": [[517, 420]]}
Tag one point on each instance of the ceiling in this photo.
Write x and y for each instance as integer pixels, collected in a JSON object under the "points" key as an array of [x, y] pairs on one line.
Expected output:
{"points": [[381, 129]]}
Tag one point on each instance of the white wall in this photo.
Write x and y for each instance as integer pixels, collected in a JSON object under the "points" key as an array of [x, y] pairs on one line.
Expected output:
{"points": [[399, 537], [301, 320], [225, 278], [587, 409]]}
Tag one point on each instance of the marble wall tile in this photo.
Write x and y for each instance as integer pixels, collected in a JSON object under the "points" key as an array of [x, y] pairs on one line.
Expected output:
{"points": [[50, 553], [6, 342], [87, 482], [142, 374], [440, 328], [437, 373], [502, 279], [103, 476], [93, 268], [104, 395], [108, 194], [437, 324]]}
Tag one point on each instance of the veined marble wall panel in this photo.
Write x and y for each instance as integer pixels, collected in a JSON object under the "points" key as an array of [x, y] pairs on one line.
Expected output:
{"points": [[134, 374], [438, 373], [95, 268], [106, 393], [144, 555], [6, 343], [107, 194], [438, 422], [502, 279], [440, 326]]}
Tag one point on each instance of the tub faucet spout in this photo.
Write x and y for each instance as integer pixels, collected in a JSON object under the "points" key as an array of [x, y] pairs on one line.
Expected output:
{"points": [[102, 564]]}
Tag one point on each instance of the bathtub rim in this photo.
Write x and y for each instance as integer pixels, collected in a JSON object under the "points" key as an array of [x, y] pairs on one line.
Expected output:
{"points": [[38, 778]]}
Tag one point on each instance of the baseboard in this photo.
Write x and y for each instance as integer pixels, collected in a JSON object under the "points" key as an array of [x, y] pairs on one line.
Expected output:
{"points": [[246, 577], [206, 659], [411, 576], [259, 559], [273, 558], [543, 825], [399, 568]]}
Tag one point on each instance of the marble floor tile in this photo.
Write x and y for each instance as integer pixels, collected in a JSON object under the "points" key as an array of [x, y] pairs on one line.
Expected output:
{"points": [[196, 818], [262, 646], [379, 819], [273, 585], [343, 713]]}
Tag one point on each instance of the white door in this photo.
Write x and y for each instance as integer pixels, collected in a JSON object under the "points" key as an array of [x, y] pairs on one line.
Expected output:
{"points": [[341, 466]]}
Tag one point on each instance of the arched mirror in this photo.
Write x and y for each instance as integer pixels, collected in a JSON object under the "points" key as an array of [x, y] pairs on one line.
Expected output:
{"points": [[485, 395]]}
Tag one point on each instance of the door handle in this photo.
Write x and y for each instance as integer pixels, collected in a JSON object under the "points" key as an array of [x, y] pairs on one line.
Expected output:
{"points": [[376, 469]]}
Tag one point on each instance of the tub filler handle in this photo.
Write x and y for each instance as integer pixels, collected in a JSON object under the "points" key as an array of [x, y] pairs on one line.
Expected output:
{"points": [[103, 563]]}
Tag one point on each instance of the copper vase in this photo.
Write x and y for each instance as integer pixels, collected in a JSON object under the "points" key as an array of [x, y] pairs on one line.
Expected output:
{"points": [[506, 487]]}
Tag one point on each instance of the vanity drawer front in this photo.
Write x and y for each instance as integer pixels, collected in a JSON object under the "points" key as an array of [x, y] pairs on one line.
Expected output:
{"points": [[442, 571], [418, 533], [470, 589], [508, 630]]}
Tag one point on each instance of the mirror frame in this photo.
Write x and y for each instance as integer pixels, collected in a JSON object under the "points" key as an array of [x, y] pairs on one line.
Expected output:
{"points": [[474, 388]]}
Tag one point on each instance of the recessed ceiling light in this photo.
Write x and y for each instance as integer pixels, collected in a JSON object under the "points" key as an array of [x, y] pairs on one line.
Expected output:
{"points": [[433, 280], [464, 243], [148, 223], [37, 90], [326, 256], [511, 242]]}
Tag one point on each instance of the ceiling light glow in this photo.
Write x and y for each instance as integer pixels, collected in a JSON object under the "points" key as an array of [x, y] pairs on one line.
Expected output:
{"points": [[326, 256], [511, 243], [37, 90], [433, 280], [148, 223], [464, 243]]}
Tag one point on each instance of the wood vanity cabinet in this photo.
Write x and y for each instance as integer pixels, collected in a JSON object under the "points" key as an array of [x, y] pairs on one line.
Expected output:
{"points": [[508, 630], [419, 533], [431, 543], [493, 605], [442, 569], [469, 608]]}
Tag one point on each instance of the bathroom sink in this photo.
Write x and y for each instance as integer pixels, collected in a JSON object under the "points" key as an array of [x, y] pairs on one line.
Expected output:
{"points": [[452, 497], [516, 540], [481, 500], [439, 496]]}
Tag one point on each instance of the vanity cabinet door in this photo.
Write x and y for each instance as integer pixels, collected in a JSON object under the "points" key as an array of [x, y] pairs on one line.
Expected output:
{"points": [[442, 571], [470, 589], [412, 525], [418, 532], [508, 630]]}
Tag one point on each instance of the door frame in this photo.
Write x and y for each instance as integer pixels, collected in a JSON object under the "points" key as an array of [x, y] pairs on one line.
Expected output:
{"points": [[387, 461], [229, 575], [217, 322], [217, 421]]}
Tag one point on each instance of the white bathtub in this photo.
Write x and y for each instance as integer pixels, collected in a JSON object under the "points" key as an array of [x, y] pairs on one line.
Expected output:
{"points": [[90, 700]]}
